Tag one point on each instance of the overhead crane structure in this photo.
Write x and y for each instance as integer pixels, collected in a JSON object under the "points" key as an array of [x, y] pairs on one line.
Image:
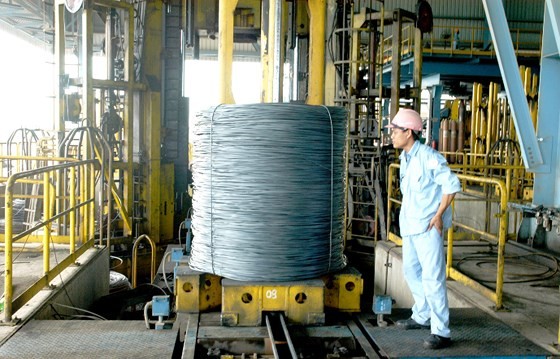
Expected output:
{"points": [[113, 174]]}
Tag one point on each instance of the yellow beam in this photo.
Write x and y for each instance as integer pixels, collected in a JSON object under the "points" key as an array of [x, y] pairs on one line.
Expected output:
{"points": [[225, 50], [317, 20]]}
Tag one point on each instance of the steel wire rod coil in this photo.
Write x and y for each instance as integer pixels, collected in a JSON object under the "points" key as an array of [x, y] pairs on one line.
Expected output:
{"points": [[268, 201]]}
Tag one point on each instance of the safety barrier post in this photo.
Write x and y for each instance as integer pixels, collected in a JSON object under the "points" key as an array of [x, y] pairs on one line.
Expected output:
{"points": [[46, 229], [72, 229]]}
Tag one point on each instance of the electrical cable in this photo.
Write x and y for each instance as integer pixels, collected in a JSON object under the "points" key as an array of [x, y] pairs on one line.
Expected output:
{"points": [[490, 258], [268, 200], [152, 285], [79, 309], [163, 271], [118, 259]]}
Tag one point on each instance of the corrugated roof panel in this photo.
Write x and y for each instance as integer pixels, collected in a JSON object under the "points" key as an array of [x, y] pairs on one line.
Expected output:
{"points": [[524, 11]]}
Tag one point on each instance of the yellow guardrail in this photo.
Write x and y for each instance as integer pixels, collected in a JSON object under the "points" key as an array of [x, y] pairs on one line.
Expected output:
{"points": [[79, 199], [473, 40], [135, 258], [500, 237]]}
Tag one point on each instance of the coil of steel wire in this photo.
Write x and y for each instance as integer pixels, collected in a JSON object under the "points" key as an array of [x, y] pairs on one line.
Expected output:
{"points": [[268, 202]]}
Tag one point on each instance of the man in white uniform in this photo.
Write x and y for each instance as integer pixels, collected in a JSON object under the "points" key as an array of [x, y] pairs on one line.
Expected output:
{"points": [[428, 186]]}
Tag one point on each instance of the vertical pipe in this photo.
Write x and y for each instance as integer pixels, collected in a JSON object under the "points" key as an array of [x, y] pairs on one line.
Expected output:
{"points": [[474, 116], [129, 100], [479, 122], [8, 264], [534, 102], [396, 64], [72, 228], [266, 55], [450, 239], [83, 217], [461, 132], [60, 58], [417, 75], [379, 69], [389, 196], [317, 23], [489, 118], [91, 205], [279, 52], [87, 63], [496, 114], [109, 200], [47, 216], [225, 51], [504, 198]]}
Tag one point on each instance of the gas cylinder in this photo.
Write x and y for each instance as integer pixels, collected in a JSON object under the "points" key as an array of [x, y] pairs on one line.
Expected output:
{"points": [[445, 136], [452, 140]]}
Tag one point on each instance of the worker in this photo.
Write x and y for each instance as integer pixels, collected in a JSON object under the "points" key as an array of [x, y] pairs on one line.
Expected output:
{"points": [[428, 186], [456, 39]]}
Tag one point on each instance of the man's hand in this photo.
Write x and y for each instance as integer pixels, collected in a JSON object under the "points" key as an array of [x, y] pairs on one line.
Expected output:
{"points": [[436, 222]]}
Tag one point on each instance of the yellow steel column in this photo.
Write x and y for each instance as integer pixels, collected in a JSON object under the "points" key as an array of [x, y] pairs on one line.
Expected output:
{"points": [[225, 50], [317, 23], [151, 125]]}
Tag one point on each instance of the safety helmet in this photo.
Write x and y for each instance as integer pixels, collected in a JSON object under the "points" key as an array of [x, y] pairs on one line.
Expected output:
{"points": [[407, 118]]}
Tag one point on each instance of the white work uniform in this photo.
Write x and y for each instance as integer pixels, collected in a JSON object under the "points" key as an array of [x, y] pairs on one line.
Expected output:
{"points": [[425, 177]]}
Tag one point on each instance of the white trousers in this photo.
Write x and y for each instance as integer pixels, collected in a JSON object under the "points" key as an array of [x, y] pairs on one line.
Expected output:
{"points": [[424, 271]]}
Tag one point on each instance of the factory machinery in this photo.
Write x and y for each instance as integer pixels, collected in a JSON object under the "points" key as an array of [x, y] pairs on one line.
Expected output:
{"points": [[108, 192]]}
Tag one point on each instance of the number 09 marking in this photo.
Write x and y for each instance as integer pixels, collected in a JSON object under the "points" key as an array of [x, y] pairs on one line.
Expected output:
{"points": [[271, 294]]}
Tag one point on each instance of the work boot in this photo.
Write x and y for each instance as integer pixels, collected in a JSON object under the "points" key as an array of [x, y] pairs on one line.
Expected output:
{"points": [[410, 324], [436, 342]]}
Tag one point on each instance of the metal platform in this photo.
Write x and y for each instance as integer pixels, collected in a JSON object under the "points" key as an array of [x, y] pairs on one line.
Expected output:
{"points": [[88, 339], [474, 334]]}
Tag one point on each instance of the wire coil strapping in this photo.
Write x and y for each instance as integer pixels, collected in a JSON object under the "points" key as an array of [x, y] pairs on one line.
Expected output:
{"points": [[268, 201]]}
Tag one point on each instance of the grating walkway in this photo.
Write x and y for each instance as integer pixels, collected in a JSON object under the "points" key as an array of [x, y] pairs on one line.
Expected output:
{"points": [[474, 334], [88, 339]]}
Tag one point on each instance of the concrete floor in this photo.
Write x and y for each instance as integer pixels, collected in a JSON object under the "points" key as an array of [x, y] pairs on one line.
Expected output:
{"points": [[531, 290]]}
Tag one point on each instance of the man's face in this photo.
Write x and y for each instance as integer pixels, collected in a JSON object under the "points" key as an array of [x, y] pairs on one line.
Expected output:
{"points": [[399, 136]]}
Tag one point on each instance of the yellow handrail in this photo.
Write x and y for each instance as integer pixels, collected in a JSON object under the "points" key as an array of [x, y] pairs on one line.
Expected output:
{"points": [[10, 304], [473, 39], [135, 255]]}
